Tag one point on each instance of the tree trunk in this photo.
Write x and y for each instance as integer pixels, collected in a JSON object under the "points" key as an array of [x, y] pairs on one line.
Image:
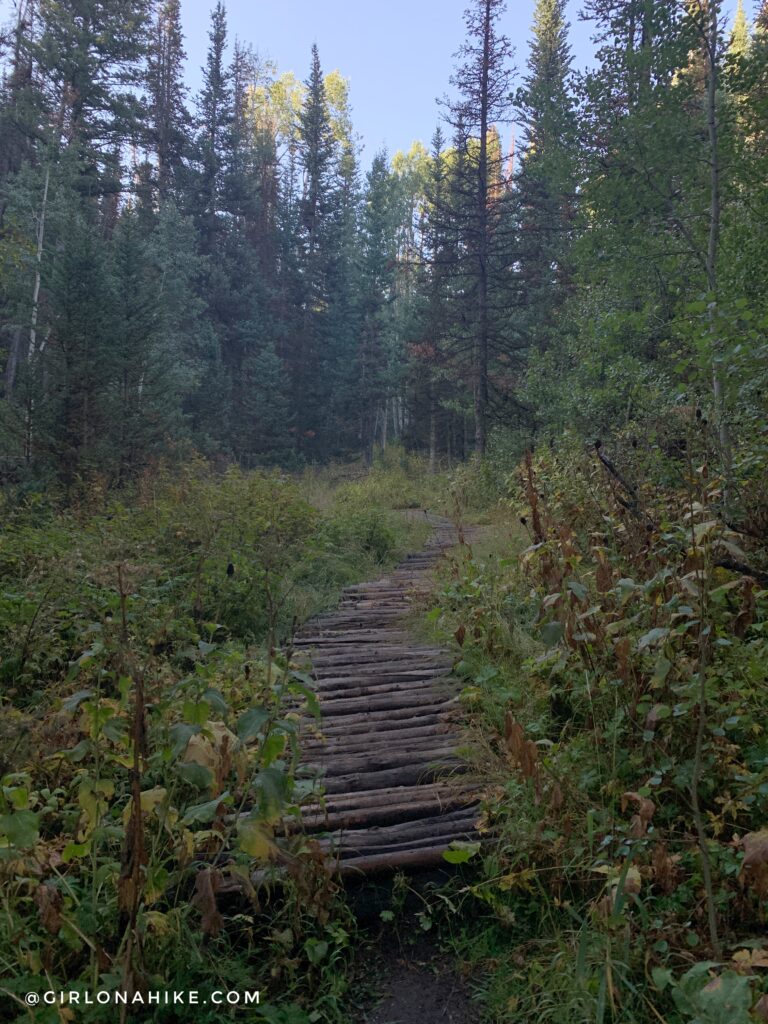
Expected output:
{"points": [[711, 47], [432, 429], [481, 337]]}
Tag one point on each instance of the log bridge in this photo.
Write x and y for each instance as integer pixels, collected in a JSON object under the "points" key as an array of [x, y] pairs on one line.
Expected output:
{"points": [[395, 792]]}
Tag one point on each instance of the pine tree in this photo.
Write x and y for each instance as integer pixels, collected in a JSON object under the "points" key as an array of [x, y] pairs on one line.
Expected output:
{"points": [[169, 120], [215, 116], [378, 249], [317, 149], [739, 41], [483, 81], [546, 181]]}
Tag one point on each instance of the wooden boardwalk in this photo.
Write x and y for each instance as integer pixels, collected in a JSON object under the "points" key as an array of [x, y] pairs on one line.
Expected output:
{"points": [[395, 792]]}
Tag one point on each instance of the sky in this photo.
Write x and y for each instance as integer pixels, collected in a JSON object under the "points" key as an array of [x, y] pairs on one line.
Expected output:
{"points": [[397, 54]]}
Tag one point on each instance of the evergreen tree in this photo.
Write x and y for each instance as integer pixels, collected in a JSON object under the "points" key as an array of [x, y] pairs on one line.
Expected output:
{"points": [[317, 209], [215, 116], [545, 186], [483, 82], [169, 120]]}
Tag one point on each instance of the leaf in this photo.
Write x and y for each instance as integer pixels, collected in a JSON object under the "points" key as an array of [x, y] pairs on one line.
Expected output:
{"points": [[181, 733], [272, 785], [652, 637], [207, 884], [272, 747], [203, 813], [21, 828], [72, 703], [79, 752], [251, 722], [703, 530], [551, 633], [309, 695], [216, 701], [74, 851], [316, 950], [198, 775], [578, 589], [255, 840], [460, 852], [150, 801]]}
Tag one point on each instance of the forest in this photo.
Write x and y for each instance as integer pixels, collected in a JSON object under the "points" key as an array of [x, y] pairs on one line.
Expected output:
{"points": [[237, 354]]}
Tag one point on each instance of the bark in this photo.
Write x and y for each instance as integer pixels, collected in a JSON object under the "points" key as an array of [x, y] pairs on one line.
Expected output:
{"points": [[481, 338], [713, 243]]}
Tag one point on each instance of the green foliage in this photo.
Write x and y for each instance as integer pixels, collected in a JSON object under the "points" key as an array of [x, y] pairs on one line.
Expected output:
{"points": [[171, 606], [612, 666]]}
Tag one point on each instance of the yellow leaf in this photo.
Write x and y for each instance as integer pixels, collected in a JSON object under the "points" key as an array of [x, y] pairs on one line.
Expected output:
{"points": [[255, 840], [150, 801]]}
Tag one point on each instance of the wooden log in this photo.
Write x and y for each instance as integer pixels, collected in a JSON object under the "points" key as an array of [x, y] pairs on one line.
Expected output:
{"points": [[386, 677], [395, 794], [350, 636], [381, 814], [384, 863], [359, 689], [396, 703], [410, 775], [443, 823], [329, 760], [366, 740], [389, 718], [379, 652], [334, 764]]}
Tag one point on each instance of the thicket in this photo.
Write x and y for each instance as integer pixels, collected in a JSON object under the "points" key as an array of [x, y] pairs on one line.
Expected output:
{"points": [[148, 738], [612, 630]]}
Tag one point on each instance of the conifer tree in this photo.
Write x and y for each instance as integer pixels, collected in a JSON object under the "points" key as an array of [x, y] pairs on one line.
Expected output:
{"points": [[546, 181], [169, 119], [215, 115], [483, 82], [317, 149]]}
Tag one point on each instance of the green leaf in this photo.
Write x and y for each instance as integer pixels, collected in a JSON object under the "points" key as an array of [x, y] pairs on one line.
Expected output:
{"points": [[272, 785], [181, 733], [196, 712], [72, 703], [551, 633], [197, 775], [204, 813], [316, 950], [578, 588], [75, 851], [251, 722], [79, 752], [652, 637], [461, 852], [20, 828], [309, 695], [272, 747], [216, 701]]}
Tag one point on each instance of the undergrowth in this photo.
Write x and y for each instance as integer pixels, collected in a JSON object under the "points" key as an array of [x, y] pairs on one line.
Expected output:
{"points": [[148, 737], [612, 629]]}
